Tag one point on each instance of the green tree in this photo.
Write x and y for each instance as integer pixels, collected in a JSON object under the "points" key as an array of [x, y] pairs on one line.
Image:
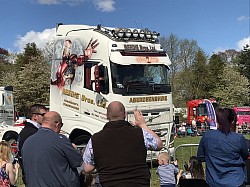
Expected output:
{"points": [[188, 51], [232, 90], [30, 51], [198, 77], [228, 55], [215, 68], [182, 86], [5, 65], [182, 53], [31, 80], [243, 61], [33, 84], [3, 54]]}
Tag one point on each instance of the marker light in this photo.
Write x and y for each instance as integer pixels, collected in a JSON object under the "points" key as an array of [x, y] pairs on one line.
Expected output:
{"points": [[155, 35], [120, 33], [148, 35], [135, 33], [128, 33], [142, 34]]}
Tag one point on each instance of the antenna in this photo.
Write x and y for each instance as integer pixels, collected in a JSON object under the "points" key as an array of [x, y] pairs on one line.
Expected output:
{"points": [[136, 24], [101, 21], [141, 26]]}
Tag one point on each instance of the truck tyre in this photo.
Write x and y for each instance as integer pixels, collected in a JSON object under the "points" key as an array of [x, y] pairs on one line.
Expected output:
{"points": [[11, 137], [81, 141]]}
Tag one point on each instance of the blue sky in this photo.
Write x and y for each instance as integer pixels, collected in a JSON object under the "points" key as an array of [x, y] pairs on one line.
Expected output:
{"points": [[216, 25]]}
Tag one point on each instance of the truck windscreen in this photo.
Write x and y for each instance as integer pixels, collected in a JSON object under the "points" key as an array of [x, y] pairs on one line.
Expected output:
{"points": [[140, 79]]}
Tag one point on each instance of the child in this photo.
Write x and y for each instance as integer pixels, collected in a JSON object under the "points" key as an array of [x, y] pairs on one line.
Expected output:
{"points": [[8, 171], [195, 169], [166, 171]]}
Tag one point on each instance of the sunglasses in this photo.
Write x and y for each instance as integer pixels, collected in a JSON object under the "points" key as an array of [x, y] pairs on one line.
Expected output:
{"points": [[41, 114]]}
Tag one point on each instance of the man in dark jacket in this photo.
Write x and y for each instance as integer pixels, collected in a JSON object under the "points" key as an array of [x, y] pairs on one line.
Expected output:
{"points": [[32, 125], [119, 150]]}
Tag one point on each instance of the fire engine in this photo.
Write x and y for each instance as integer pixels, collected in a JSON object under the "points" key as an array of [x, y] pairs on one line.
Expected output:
{"points": [[196, 109], [95, 65]]}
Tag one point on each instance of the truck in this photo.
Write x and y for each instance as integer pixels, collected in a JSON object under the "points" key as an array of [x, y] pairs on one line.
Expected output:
{"points": [[196, 109], [8, 128], [6, 106], [243, 118], [95, 65]]}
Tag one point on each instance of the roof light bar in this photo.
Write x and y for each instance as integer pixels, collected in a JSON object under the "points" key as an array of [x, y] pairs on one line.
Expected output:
{"points": [[128, 34]]}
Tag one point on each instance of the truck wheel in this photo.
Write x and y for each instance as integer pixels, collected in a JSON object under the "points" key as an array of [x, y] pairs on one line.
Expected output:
{"points": [[81, 141], [11, 137]]}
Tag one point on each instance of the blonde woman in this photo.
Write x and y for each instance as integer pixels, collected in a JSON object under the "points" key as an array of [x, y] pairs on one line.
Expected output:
{"points": [[8, 171]]}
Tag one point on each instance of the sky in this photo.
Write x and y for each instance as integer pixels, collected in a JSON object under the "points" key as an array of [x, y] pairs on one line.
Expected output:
{"points": [[216, 25]]}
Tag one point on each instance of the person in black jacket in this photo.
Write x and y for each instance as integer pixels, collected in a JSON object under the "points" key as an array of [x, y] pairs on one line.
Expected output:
{"points": [[36, 113]]}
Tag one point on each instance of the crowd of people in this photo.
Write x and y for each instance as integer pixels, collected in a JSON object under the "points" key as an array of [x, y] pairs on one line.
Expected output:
{"points": [[116, 155]]}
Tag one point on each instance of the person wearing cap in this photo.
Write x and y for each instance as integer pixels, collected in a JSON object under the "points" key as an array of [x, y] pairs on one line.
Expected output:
{"points": [[49, 158]]}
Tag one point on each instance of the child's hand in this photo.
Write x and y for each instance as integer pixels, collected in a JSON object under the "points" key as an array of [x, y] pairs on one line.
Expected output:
{"points": [[175, 162]]}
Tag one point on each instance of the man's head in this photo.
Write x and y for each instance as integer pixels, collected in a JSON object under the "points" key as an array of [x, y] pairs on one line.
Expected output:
{"points": [[116, 111], [53, 121], [37, 112]]}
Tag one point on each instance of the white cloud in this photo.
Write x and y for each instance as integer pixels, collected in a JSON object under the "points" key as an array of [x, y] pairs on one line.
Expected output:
{"points": [[54, 2], [48, 2], [243, 18], [40, 38], [219, 49], [243, 42], [105, 5], [102, 5], [238, 46]]}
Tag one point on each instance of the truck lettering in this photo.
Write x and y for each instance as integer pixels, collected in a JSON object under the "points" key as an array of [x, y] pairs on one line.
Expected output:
{"points": [[147, 99], [71, 93]]}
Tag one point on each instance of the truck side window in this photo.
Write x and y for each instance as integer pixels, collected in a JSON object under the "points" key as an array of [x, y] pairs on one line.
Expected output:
{"points": [[103, 78], [87, 76]]}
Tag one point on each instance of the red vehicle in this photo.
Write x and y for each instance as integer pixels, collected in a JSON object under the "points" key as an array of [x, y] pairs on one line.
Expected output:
{"points": [[196, 109], [243, 118]]}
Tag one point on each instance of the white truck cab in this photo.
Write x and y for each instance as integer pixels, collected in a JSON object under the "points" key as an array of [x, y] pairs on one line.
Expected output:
{"points": [[95, 65]]}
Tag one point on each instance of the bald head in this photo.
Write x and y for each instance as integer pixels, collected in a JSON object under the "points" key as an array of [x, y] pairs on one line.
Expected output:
{"points": [[52, 120], [115, 111]]}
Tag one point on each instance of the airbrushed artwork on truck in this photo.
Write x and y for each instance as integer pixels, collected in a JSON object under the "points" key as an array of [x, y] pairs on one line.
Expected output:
{"points": [[68, 55]]}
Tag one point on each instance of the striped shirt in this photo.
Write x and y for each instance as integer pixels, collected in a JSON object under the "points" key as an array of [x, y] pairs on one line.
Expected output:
{"points": [[167, 173]]}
